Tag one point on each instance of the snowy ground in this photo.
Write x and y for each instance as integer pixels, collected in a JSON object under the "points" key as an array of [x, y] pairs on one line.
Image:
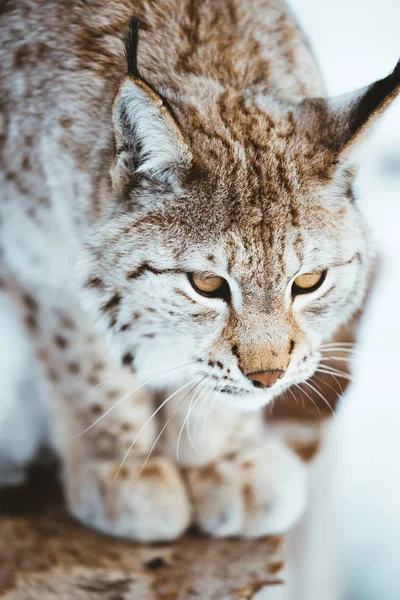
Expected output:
{"points": [[356, 42]]}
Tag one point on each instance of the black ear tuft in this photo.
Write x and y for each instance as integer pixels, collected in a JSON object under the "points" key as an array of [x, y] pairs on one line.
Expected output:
{"points": [[131, 47], [375, 99]]}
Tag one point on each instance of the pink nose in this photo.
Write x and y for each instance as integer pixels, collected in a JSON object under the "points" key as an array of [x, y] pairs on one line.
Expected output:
{"points": [[266, 379]]}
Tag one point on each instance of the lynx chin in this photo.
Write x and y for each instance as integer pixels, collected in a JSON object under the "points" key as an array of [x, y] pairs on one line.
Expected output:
{"points": [[179, 246]]}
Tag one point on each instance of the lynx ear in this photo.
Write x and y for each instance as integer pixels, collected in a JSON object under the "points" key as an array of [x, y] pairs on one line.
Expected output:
{"points": [[145, 131], [343, 121], [356, 113], [148, 140]]}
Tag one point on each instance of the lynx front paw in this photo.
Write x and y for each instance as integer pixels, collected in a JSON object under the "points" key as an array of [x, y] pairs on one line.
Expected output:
{"points": [[256, 493], [152, 507]]}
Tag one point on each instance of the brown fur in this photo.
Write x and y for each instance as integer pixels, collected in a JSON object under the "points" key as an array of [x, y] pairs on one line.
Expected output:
{"points": [[216, 152]]}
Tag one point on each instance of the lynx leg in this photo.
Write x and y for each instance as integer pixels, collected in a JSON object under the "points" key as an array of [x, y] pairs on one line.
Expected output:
{"points": [[23, 418], [83, 384], [242, 479]]}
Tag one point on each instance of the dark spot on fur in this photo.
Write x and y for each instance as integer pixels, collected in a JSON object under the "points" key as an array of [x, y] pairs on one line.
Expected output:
{"points": [[99, 365], [30, 303], [96, 409], [294, 214], [155, 563], [151, 310], [275, 567], [152, 471], [148, 335], [126, 427], [123, 473], [95, 282], [247, 464], [93, 380], [53, 375], [146, 267], [230, 456], [60, 341], [127, 359], [43, 355], [318, 310], [125, 327], [211, 363], [65, 123], [136, 316], [21, 56], [113, 302], [67, 323], [219, 364], [185, 295], [31, 322], [235, 351], [26, 163], [41, 50], [106, 444], [291, 346], [73, 367], [113, 394]]}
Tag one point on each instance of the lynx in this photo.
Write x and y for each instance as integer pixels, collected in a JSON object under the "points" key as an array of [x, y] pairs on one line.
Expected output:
{"points": [[179, 241]]}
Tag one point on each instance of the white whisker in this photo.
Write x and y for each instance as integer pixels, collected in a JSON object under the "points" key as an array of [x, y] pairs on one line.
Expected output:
{"points": [[321, 396], [130, 394], [148, 421], [330, 371], [293, 394], [197, 421], [128, 375], [344, 350], [329, 385], [308, 396], [347, 344], [192, 401], [184, 423], [349, 359], [335, 378], [211, 406], [164, 428]]}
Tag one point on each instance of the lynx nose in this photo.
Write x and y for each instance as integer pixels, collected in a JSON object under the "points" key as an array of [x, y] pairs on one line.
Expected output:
{"points": [[265, 379]]}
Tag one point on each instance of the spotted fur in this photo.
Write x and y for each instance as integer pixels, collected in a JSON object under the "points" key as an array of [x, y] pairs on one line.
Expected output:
{"points": [[211, 149]]}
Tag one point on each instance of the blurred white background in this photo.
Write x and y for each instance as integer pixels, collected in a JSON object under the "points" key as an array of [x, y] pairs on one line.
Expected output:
{"points": [[357, 42]]}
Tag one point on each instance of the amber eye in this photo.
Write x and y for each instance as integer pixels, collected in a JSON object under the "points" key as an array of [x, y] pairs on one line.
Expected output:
{"points": [[209, 285], [308, 282]]}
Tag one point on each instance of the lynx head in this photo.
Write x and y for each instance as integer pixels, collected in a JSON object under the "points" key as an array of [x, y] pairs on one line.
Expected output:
{"points": [[233, 244]]}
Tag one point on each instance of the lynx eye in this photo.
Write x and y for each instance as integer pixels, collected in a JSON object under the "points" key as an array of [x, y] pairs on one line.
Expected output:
{"points": [[209, 285], [308, 282]]}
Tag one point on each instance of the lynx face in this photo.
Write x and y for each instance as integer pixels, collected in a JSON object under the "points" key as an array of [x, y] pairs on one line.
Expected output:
{"points": [[234, 247], [159, 319]]}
